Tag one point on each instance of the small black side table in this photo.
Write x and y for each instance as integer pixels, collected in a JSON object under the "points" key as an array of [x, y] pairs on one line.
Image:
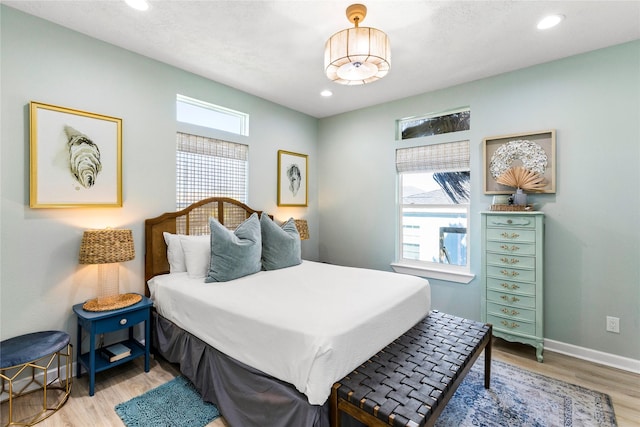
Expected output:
{"points": [[102, 322]]}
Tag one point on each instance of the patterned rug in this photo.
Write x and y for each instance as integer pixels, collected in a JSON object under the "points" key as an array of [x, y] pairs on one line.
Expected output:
{"points": [[173, 404], [517, 398], [520, 398]]}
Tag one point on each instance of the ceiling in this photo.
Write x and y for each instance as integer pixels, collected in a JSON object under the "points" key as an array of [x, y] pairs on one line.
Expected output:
{"points": [[274, 49]]}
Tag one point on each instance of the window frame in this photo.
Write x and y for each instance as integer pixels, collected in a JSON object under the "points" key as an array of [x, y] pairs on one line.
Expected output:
{"points": [[243, 118], [441, 115], [429, 269]]}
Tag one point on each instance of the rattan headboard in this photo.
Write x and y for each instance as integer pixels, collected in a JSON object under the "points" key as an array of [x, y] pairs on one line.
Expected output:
{"points": [[192, 220]]}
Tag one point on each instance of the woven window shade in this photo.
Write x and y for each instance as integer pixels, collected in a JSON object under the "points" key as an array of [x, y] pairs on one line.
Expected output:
{"points": [[446, 157], [207, 167]]}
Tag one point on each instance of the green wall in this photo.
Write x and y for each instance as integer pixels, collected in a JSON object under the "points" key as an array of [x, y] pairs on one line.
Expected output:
{"points": [[40, 278], [593, 232], [592, 259]]}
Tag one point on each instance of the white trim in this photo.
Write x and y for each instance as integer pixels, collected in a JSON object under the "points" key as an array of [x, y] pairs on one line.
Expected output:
{"points": [[607, 359], [243, 118], [432, 273]]}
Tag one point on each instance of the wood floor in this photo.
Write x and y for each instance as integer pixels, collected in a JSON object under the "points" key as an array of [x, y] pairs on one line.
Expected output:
{"points": [[127, 381]]}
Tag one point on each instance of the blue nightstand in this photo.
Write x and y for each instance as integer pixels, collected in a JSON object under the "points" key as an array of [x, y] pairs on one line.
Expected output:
{"points": [[102, 322]]}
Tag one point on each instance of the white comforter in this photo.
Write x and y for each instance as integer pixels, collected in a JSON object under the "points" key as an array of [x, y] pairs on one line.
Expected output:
{"points": [[308, 325]]}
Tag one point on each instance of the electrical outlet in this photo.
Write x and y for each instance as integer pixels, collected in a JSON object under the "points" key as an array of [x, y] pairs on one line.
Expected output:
{"points": [[613, 324]]}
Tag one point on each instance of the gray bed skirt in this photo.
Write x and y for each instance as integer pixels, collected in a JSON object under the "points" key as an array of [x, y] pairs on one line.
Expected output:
{"points": [[245, 396]]}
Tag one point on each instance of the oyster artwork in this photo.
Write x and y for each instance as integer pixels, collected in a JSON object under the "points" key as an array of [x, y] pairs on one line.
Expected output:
{"points": [[84, 157]]}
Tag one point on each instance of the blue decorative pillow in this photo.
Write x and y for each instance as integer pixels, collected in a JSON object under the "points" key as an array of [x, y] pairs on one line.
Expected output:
{"points": [[280, 245], [234, 253]]}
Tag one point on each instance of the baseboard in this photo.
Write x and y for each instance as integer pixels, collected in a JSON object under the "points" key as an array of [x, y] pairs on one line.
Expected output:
{"points": [[607, 359]]}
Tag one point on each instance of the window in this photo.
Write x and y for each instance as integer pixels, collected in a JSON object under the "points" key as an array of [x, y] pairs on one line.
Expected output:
{"points": [[208, 167], [434, 124], [434, 190], [205, 165], [200, 113]]}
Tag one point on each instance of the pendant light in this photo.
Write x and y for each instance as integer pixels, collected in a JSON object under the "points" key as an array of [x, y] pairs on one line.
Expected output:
{"points": [[357, 55]]}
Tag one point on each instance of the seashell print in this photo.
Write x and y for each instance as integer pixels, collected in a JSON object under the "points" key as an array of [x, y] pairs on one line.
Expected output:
{"points": [[84, 157]]}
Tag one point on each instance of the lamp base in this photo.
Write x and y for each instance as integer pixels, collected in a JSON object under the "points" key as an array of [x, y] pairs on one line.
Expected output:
{"points": [[113, 302]]}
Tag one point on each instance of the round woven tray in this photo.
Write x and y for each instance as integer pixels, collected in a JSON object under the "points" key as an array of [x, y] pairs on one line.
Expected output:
{"points": [[111, 303]]}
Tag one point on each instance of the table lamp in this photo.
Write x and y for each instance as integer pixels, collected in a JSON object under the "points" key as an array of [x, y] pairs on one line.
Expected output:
{"points": [[303, 228], [107, 248]]}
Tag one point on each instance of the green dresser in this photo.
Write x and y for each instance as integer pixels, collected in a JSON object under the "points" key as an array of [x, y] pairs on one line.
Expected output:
{"points": [[512, 276]]}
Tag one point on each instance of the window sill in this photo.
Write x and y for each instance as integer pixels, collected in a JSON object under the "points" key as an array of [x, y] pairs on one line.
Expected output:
{"points": [[433, 273]]}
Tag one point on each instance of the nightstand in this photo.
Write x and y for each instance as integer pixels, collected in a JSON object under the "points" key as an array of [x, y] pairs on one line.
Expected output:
{"points": [[102, 322]]}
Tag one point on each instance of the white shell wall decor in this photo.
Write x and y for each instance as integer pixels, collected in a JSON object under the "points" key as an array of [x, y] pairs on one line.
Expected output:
{"points": [[84, 157], [531, 155]]}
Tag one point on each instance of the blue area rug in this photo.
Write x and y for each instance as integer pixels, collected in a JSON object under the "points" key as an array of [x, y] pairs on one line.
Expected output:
{"points": [[174, 404], [520, 398]]}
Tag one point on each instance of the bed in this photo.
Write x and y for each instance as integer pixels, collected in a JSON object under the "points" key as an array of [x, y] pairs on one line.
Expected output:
{"points": [[267, 347]]}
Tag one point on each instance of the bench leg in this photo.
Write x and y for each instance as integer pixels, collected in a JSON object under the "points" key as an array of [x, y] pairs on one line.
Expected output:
{"points": [[334, 412], [487, 360]]}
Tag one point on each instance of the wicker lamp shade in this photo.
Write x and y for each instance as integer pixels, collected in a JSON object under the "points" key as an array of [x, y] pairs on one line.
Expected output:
{"points": [[303, 228], [106, 246]]}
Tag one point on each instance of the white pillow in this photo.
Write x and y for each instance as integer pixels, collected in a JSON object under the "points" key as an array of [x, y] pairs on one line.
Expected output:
{"points": [[175, 254], [197, 254]]}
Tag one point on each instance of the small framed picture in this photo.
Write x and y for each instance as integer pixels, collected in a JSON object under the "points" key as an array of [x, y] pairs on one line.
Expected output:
{"points": [[535, 151], [293, 179], [76, 158]]}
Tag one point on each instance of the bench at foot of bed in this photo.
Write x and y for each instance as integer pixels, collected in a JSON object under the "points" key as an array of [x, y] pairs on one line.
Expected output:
{"points": [[409, 382]]}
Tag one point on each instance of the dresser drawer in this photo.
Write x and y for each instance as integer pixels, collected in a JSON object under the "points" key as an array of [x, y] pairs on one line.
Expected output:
{"points": [[511, 235], [511, 273], [511, 221], [512, 248], [521, 288], [123, 321], [511, 300], [504, 260], [512, 313], [510, 325]]}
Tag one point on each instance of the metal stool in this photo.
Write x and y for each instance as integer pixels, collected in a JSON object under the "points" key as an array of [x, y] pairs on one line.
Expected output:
{"points": [[37, 351]]}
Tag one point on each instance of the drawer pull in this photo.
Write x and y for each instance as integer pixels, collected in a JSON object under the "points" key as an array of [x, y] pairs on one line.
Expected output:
{"points": [[509, 273], [511, 325], [509, 261], [512, 299], [510, 235], [509, 221], [123, 321], [513, 248], [508, 286], [510, 312]]}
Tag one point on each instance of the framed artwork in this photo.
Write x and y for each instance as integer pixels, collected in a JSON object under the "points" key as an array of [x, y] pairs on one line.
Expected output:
{"points": [[535, 151], [293, 182], [76, 158]]}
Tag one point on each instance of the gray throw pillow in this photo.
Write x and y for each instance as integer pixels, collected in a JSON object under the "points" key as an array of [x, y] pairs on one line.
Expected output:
{"points": [[280, 244], [236, 253]]}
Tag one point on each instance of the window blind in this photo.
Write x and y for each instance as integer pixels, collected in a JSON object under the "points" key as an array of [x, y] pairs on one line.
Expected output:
{"points": [[445, 157], [207, 167]]}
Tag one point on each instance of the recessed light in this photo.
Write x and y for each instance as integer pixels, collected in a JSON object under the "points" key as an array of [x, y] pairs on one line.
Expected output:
{"points": [[326, 93], [550, 21], [138, 4]]}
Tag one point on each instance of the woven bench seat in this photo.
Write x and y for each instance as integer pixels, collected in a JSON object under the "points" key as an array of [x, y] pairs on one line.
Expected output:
{"points": [[410, 381]]}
